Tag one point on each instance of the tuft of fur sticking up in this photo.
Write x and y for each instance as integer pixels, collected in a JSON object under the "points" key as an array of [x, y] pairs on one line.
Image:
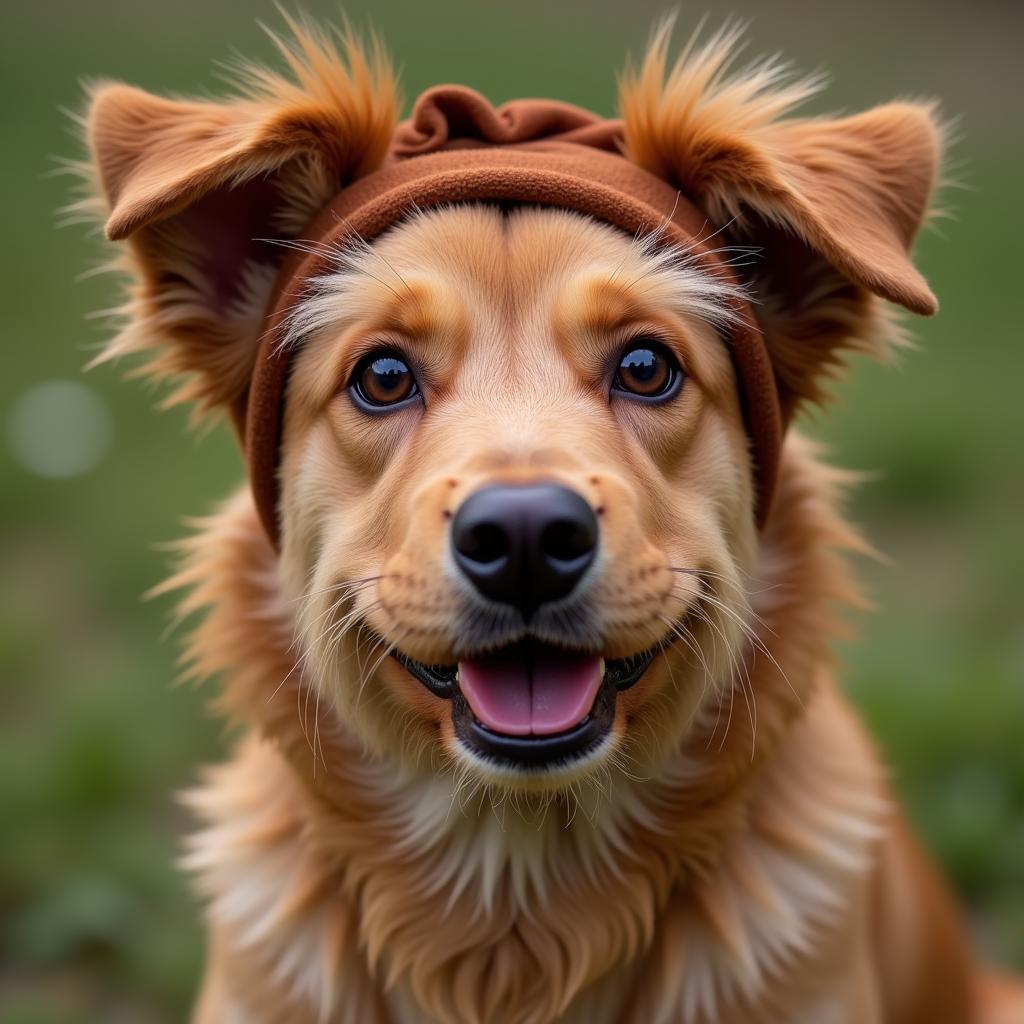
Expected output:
{"points": [[681, 119], [728, 138], [275, 152]]}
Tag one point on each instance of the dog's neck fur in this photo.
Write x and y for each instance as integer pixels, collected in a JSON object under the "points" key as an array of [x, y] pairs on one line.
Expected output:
{"points": [[342, 873]]}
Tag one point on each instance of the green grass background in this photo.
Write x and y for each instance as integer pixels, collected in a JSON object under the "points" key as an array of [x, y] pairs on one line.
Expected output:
{"points": [[95, 924]]}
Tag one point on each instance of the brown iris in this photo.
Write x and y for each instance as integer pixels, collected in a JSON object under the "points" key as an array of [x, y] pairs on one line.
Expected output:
{"points": [[383, 379], [647, 370]]}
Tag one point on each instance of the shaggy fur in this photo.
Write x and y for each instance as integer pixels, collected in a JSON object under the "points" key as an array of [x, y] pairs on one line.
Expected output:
{"points": [[732, 852]]}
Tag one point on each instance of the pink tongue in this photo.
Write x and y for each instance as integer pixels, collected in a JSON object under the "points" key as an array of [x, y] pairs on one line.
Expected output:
{"points": [[540, 691]]}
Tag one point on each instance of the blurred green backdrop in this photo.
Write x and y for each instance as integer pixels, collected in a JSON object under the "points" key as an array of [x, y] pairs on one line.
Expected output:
{"points": [[95, 924]]}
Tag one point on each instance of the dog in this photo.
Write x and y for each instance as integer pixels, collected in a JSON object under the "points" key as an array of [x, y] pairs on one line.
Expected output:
{"points": [[525, 612]]}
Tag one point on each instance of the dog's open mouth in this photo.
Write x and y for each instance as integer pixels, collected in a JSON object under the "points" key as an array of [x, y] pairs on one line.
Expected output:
{"points": [[531, 704]]}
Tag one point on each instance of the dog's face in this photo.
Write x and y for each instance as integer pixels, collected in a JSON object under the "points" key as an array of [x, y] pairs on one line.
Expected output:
{"points": [[516, 493], [517, 500]]}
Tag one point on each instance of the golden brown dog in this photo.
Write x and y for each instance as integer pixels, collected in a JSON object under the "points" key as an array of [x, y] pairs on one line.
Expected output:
{"points": [[539, 721]]}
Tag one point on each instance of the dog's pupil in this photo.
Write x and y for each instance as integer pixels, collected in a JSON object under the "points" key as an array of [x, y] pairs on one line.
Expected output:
{"points": [[643, 370], [387, 380], [641, 364]]}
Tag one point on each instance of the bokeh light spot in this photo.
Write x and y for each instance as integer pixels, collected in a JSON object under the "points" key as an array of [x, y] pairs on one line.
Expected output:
{"points": [[59, 429]]}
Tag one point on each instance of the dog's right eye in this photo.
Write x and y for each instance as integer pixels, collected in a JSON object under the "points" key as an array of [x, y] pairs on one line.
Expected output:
{"points": [[648, 371], [381, 380]]}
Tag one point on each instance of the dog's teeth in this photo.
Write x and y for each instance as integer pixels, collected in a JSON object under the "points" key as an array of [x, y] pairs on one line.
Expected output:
{"points": [[601, 667]]}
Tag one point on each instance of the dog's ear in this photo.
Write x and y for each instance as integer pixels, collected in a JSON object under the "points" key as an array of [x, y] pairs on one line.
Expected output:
{"points": [[831, 207], [198, 189]]}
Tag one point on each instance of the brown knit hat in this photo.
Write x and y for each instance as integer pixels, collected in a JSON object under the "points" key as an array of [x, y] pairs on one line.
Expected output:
{"points": [[458, 148]]}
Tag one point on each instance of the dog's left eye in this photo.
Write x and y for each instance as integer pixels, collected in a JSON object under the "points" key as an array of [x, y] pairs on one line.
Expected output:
{"points": [[383, 379], [647, 370]]}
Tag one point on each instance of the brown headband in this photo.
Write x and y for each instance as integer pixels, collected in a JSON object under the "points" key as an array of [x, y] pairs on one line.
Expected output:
{"points": [[457, 148]]}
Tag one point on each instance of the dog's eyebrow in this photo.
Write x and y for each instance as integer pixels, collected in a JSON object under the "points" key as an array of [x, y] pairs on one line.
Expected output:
{"points": [[419, 309], [413, 307], [653, 282], [602, 303]]}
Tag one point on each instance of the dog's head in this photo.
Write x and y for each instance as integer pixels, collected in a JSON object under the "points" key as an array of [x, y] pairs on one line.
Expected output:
{"points": [[517, 499]]}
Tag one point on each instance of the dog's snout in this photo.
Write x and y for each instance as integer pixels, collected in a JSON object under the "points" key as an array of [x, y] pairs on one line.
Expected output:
{"points": [[524, 545]]}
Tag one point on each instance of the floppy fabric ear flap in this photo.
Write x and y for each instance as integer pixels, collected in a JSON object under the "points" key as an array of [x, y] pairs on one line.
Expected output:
{"points": [[208, 195], [831, 206]]}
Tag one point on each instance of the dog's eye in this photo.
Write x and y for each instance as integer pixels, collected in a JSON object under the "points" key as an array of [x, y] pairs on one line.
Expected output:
{"points": [[383, 379], [648, 370]]}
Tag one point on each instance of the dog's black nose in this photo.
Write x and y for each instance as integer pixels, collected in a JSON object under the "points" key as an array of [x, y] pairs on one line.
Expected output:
{"points": [[524, 545]]}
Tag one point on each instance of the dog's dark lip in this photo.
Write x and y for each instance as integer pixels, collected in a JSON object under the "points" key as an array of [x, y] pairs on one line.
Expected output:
{"points": [[440, 680], [532, 752]]}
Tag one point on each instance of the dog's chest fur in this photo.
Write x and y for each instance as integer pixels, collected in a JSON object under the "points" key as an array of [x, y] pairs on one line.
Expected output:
{"points": [[706, 946], [684, 898]]}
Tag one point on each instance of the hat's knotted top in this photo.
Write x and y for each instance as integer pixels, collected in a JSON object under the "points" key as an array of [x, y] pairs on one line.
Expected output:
{"points": [[453, 117], [456, 147]]}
